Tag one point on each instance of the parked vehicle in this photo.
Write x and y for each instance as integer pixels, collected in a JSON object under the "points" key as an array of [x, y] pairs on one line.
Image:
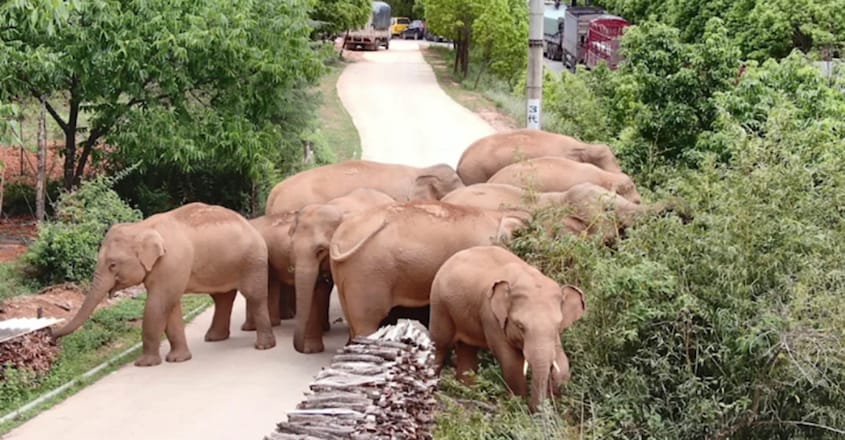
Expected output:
{"points": [[375, 33], [603, 38], [415, 31], [399, 24], [553, 30], [575, 25]]}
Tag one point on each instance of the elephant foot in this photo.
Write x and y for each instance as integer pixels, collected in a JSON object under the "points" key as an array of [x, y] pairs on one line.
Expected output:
{"points": [[178, 355], [148, 360], [248, 326], [310, 346], [265, 342], [287, 314], [275, 322], [213, 336]]}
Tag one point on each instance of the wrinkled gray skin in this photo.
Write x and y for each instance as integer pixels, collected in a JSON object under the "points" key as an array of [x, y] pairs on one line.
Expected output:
{"points": [[486, 297], [310, 238], [194, 248], [400, 182]]}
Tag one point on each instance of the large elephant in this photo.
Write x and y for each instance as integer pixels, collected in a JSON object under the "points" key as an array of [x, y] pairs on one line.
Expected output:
{"points": [[486, 156], [310, 237], [589, 205], [551, 174], [486, 297], [387, 256], [275, 229], [401, 182], [196, 248]]}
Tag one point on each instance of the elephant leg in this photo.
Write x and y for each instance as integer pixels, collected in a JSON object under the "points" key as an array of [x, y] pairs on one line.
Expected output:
{"points": [[219, 329], [322, 301], [274, 295], [254, 289], [466, 359], [442, 334], [175, 331], [286, 304], [560, 375], [512, 364], [156, 313], [365, 308]]}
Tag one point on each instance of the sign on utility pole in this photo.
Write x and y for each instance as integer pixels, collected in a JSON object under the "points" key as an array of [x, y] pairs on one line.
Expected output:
{"points": [[535, 63]]}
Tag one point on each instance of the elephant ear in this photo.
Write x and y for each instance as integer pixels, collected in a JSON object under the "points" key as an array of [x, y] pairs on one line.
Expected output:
{"points": [[572, 307], [500, 301], [508, 224], [149, 247], [425, 187]]}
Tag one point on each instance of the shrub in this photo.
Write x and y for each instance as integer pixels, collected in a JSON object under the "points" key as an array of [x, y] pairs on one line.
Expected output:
{"points": [[730, 326], [66, 247]]}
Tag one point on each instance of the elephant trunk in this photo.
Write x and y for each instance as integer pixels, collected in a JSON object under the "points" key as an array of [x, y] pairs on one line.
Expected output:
{"points": [[101, 287], [308, 328], [541, 361]]}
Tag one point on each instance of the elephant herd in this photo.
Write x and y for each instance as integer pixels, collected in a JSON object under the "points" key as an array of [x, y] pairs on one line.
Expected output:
{"points": [[385, 235]]}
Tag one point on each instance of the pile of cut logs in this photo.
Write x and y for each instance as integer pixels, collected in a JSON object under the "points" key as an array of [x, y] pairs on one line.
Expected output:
{"points": [[379, 387]]}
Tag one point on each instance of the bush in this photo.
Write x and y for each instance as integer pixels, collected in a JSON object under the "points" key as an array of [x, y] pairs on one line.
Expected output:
{"points": [[19, 198], [66, 248]]}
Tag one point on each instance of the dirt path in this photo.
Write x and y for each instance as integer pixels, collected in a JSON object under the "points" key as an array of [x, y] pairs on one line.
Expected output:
{"points": [[230, 390]]}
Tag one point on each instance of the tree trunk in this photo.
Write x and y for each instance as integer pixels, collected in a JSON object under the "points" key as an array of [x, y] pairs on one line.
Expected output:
{"points": [[70, 144], [378, 387], [41, 175]]}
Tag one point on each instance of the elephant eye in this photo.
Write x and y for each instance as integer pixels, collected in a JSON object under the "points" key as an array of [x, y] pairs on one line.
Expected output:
{"points": [[519, 325], [112, 266]]}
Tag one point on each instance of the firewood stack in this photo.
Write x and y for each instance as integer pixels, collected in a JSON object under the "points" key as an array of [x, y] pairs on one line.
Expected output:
{"points": [[379, 387]]}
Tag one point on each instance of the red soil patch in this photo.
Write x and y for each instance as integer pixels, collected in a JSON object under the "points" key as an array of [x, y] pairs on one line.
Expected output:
{"points": [[21, 163], [59, 301]]}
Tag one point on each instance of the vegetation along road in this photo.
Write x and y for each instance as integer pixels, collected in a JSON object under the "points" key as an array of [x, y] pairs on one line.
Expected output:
{"points": [[402, 116]]}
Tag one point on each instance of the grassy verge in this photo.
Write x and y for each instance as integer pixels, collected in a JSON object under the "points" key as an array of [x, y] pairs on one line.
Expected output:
{"points": [[338, 130], [107, 333], [12, 281], [485, 95]]}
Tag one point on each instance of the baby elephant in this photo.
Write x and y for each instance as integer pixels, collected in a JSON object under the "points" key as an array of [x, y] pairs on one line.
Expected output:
{"points": [[487, 297]]}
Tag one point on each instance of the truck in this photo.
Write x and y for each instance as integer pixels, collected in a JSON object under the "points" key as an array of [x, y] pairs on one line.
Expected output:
{"points": [[602, 42], [576, 22], [553, 30], [375, 33]]}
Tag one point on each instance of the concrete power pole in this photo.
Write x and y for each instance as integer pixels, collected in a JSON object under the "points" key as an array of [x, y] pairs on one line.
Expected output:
{"points": [[535, 63]]}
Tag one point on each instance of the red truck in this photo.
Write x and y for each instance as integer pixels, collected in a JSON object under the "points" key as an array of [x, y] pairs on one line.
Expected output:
{"points": [[591, 35]]}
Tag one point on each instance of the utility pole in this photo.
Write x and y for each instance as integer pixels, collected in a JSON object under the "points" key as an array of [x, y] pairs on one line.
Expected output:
{"points": [[535, 63]]}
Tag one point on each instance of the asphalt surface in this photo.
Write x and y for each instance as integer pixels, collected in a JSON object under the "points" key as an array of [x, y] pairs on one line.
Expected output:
{"points": [[229, 390]]}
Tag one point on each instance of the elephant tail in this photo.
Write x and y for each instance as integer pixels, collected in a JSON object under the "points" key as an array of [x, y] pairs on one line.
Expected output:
{"points": [[337, 255]]}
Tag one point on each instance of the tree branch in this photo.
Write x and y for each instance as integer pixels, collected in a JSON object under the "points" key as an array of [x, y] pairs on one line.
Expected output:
{"points": [[87, 147], [62, 124]]}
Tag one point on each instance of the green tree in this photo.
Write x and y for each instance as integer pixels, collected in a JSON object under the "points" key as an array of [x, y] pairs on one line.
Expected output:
{"points": [[501, 31], [340, 15], [453, 19], [179, 82], [404, 8]]}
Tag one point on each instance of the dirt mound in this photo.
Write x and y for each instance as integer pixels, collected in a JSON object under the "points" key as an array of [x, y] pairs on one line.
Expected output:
{"points": [[34, 351]]}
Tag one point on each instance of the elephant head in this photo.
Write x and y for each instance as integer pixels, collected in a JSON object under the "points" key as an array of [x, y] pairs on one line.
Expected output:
{"points": [[127, 254], [310, 236], [532, 315], [625, 187], [434, 182]]}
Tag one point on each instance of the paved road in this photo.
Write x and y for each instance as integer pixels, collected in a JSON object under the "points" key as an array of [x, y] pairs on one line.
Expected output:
{"points": [[230, 390], [555, 67], [402, 115]]}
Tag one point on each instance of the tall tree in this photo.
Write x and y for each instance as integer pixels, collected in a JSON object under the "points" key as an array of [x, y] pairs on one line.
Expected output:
{"points": [[183, 81], [453, 19], [340, 15]]}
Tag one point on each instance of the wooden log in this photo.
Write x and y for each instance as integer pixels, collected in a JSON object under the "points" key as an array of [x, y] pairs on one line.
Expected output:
{"points": [[378, 387]]}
